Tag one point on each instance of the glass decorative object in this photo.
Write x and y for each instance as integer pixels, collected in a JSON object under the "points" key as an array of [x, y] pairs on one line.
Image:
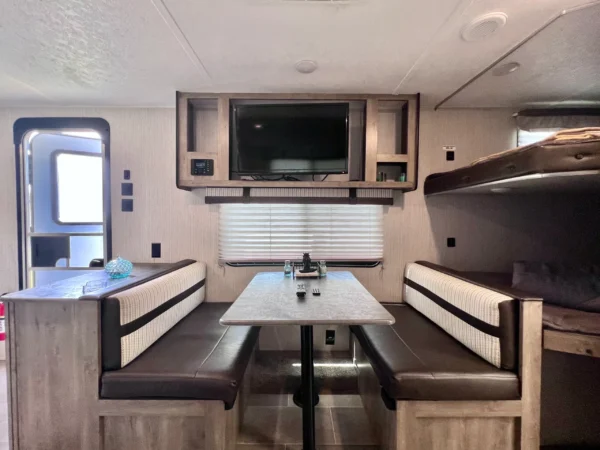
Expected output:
{"points": [[118, 268], [287, 268], [322, 268]]}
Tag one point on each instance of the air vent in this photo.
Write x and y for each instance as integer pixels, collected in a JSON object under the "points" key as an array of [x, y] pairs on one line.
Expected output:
{"points": [[483, 26]]}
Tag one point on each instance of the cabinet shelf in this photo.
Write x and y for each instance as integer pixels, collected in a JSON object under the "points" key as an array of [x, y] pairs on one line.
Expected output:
{"points": [[391, 158]]}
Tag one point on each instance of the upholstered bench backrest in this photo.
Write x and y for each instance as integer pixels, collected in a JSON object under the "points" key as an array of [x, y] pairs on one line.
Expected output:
{"points": [[483, 320], [132, 320]]}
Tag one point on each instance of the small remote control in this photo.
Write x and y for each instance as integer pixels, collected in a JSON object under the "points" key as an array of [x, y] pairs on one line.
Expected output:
{"points": [[300, 291], [316, 292]]}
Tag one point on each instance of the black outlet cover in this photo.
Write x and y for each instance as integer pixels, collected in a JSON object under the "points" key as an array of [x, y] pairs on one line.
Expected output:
{"points": [[126, 188], [451, 242], [329, 337], [450, 155], [127, 205], [156, 250]]}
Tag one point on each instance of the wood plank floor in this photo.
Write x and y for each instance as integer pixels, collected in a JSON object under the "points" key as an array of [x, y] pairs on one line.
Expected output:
{"points": [[341, 423]]}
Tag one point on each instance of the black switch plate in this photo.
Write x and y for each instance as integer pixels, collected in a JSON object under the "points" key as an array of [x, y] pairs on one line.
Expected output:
{"points": [[329, 337], [156, 250], [127, 205], [127, 174], [126, 188], [451, 242], [450, 155]]}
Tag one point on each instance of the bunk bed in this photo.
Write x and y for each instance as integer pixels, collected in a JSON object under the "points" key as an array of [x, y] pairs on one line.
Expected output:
{"points": [[569, 160], [566, 161]]}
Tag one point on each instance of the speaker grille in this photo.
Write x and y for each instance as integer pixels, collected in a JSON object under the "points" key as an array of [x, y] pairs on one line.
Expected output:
{"points": [[483, 27]]}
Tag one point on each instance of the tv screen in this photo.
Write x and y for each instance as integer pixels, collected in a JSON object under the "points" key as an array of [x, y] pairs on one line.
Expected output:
{"points": [[281, 139]]}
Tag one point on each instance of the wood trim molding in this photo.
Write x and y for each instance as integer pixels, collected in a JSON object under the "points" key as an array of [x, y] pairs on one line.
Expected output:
{"points": [[531, 373], [299, 184], [575, 343], [295, 96], [11, 361], [222, 169], [181, 408], [371, 140], [220, 152], [509, 408]]}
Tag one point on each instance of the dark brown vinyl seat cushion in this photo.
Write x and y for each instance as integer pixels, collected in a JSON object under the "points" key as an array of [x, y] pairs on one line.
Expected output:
{"points": [[414, 359], [197, 359]]}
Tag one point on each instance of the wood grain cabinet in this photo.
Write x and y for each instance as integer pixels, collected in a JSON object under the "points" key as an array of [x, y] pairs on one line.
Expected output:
{"points": [[391, 141]]}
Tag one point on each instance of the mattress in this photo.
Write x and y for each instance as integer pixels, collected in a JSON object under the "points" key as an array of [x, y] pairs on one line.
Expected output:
{"points": [[571, 320], [579, 153]]}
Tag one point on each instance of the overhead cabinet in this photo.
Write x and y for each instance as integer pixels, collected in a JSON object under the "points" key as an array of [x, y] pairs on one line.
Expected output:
{"points": [[380, 148]]}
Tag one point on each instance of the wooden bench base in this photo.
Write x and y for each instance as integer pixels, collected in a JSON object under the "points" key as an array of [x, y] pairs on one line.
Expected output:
{"points": [[167, 425], [444, 425], [53, 378], [463, 425]]}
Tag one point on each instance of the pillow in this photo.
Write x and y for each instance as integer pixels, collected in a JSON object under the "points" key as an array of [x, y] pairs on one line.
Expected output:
{"points": [[566, 285]]}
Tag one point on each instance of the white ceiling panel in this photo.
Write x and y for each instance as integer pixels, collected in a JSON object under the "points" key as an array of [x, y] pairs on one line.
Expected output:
{"points": [[560, 65], [91, 52], [360, 45], [139, 52], [449, 62]]}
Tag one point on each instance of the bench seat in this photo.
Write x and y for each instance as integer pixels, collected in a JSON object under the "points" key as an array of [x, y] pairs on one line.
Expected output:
{"points": [[197, 359], [415, 359]]}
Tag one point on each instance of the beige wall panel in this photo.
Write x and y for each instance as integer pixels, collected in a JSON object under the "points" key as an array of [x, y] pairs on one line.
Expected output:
{"points": [[490, 231]]}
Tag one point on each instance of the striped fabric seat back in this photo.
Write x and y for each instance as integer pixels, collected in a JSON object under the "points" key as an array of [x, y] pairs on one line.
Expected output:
{"points": [[481, 319], [134, 319]]}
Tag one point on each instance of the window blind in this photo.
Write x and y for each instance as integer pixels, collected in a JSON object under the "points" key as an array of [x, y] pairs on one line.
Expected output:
{"points": [[276, 232]]}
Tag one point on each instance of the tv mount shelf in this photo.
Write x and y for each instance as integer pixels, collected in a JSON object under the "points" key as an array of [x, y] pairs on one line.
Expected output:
{"points": [[390, 141]]}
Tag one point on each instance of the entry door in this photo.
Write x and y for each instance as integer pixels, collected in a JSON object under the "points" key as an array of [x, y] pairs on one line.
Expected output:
{"points": [[65, 233]]}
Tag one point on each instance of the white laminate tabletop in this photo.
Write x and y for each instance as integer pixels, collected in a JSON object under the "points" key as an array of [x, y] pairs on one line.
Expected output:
{"points": [[270, 299]]}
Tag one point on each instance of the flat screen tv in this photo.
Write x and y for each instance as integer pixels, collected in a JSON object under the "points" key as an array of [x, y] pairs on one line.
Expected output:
{"points": [[287, 138]]}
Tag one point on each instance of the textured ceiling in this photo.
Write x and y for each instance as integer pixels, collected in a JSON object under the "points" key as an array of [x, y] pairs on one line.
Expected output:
{"points": [[559, 66], [139, 52]]}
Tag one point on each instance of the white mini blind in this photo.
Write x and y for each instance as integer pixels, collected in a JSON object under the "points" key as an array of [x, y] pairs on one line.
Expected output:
{"points": [[276, 232]]}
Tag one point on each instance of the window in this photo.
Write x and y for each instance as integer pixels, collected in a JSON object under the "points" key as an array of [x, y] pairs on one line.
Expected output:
{"points": [[276, 232], [531, 137], [78, 188]]}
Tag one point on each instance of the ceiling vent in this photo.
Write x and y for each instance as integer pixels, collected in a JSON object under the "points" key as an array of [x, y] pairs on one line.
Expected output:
{"points": [[483, 26]]}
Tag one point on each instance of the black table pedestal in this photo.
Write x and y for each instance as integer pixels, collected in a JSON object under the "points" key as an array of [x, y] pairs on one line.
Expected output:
{"points": [[308, 391]]}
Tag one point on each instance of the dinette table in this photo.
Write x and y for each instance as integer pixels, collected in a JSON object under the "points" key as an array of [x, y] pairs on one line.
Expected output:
{"points": [[270, 299]]}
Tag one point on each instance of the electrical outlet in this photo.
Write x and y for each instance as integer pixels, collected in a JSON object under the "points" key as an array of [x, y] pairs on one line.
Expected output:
{"points": [[451, 242], [329, 337], [156, 250], [450, 155]]}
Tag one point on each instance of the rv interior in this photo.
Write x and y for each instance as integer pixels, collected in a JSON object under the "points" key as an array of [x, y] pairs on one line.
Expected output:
{"points": [[299, 224]]}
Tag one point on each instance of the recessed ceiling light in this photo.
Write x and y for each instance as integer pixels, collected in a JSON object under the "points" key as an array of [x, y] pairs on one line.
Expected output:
{"points": [[484, 26], [306, 66], [505, 69]]}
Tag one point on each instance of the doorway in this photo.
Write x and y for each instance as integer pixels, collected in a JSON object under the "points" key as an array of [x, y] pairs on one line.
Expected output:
{"points": [[63, 198]]}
